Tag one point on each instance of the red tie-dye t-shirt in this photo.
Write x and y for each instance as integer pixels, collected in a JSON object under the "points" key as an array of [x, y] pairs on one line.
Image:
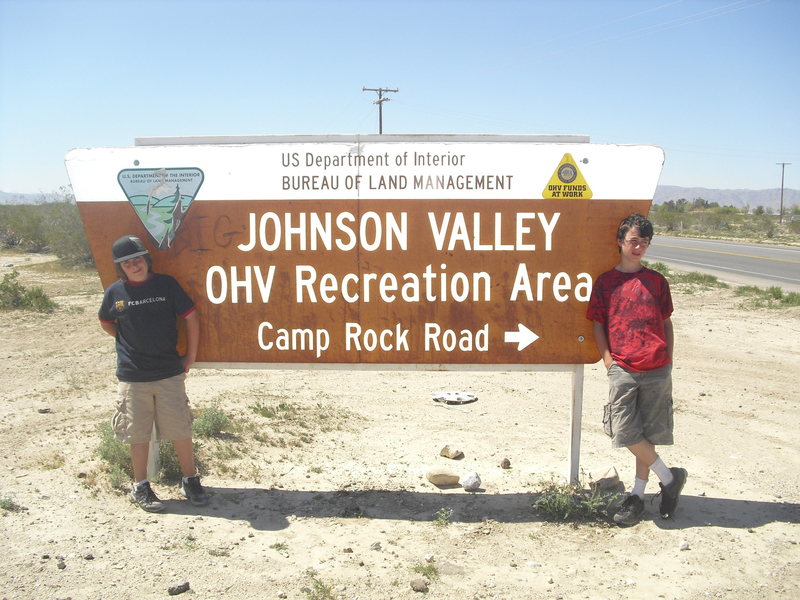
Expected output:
{"points": [[633, 307]]}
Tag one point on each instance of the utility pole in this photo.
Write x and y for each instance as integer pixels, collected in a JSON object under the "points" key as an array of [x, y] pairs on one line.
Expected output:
{"points": [[783, 167], [379, 102]]}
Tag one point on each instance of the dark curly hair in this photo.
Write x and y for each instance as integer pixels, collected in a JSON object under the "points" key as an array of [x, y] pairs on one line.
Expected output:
{"points": [[635, 220]]}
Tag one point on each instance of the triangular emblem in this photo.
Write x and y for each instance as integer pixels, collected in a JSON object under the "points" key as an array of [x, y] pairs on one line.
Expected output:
{"points": [[567, 181], [161, 198]]}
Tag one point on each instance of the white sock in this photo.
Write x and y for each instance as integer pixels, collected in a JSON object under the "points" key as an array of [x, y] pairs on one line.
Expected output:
{"points": [[140, 483], [662, 470], [638, 487]]}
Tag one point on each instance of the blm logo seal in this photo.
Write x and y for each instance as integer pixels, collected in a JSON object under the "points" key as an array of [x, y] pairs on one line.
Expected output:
{"points": [[161, 198]]}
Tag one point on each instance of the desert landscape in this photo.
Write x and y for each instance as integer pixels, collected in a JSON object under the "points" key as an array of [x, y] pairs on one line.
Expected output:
{"points": [[332, 501]]}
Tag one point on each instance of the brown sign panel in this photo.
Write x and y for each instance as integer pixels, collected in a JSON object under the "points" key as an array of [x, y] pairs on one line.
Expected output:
{"points": [[395, 271]]}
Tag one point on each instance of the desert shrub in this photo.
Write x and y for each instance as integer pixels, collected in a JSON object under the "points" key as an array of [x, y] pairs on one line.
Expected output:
{"points": [[169, 469], [23, 226], [571, 502], [210, 422], [116, 455], [670, 221], [47, 227], [772, 297], [14, 295], [8, 503], [65, 234]]}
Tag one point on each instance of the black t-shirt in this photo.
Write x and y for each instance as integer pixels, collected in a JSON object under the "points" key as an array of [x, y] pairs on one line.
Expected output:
{"points": [[146, 317]]}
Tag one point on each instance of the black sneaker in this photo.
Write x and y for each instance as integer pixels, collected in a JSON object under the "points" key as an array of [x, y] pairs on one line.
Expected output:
{"points": [[194, 491], [631, 511], [670, 493], [146, 498]]}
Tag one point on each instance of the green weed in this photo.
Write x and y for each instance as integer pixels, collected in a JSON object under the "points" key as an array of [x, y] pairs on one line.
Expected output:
{"points": [[279, 547], [318, 590], [571, 502], [116, 455], [7, 503], [443, 516], [285, 411], [427, 570], [692, 280], [210, 422], [13, 295], [773, 297]]}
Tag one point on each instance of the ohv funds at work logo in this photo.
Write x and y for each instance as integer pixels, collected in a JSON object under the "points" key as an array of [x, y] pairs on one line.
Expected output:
{"points": [[161, 198]]}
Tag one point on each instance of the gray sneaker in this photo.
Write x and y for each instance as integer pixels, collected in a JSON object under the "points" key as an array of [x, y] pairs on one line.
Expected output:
{"points": [[146, 498], [193, 490], [630, 513], [670, 493]]}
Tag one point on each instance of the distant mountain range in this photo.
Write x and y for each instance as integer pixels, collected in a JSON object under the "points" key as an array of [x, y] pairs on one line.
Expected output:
{"points": [[753, 198]]}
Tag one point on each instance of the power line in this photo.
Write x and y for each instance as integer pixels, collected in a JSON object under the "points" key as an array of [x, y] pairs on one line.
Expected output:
{"points": [[379, 102], [783, 168]]}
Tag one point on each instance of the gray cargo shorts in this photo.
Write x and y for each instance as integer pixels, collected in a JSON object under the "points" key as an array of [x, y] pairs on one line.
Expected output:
{"points": [[639, 407]]}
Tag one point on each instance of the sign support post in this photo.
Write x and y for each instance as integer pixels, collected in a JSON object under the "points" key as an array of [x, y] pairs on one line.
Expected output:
{"points": [[576, 417]]}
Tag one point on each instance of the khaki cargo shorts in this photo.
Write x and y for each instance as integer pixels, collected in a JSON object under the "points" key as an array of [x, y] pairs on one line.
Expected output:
{"points": [[143, 403], [639, 407]]}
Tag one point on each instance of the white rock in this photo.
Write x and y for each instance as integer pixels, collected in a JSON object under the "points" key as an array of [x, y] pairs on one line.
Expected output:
{"points": [[684, 545], [470, 481]]}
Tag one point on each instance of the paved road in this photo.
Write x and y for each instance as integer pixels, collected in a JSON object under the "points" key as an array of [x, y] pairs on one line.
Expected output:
{"points": [[735, 263]]}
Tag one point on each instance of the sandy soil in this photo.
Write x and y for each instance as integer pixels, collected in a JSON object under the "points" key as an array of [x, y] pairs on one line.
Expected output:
{"points": [[333, 502]]}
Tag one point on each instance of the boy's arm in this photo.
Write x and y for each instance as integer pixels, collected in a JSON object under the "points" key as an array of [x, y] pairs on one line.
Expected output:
{"points": [[601, 340], [670, 335], [109, 327], [192, 340]]}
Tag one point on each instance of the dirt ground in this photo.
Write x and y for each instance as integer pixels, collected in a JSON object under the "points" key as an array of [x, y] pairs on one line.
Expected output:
{"points": [[335, 504]]}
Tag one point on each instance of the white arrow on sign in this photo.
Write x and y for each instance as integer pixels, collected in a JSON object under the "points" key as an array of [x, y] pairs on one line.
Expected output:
{"points": [[524, 337]]}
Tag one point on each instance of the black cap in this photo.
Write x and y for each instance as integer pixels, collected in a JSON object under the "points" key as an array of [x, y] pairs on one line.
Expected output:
{"points": [[127, 247]]}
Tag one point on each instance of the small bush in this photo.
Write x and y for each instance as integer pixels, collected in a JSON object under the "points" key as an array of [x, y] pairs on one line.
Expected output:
{"points": [[427, 570], [319, 590], [117, 456], [571, 502], [13, 295], [47, 226], [169, 470], [7, 503], [443, 516], [773, 297], [210, 422], [283, 410], [693, 278]]}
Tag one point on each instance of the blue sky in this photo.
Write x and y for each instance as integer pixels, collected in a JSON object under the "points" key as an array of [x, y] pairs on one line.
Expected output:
{"points": [[716, 83]]}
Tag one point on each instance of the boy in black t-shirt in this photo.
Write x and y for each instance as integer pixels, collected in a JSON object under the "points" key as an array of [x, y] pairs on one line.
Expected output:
{"points": [[140, 311]]}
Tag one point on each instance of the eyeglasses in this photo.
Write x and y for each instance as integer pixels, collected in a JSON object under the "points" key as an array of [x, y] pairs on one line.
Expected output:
{"points": [[638, 242]]}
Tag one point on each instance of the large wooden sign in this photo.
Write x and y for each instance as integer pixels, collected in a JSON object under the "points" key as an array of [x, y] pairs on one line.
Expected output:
{"points": [[429, 251]]}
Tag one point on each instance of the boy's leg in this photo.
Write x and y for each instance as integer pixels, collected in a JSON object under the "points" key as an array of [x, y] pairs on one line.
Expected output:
{"points": [[185, 453], [139, 455], [190, 483], [143, 494], [174, 422], [645, 454], [632, 508]]}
